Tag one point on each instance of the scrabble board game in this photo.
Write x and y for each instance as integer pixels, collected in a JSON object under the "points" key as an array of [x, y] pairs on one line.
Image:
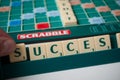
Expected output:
{"points": [[27, 15], [54, 35]]}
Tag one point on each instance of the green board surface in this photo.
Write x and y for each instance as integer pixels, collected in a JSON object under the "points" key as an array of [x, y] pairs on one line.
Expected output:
{"points": [[37, 11]]}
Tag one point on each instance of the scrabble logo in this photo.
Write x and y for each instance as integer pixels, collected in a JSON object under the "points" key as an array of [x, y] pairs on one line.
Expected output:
{"points": [[43, 34]]}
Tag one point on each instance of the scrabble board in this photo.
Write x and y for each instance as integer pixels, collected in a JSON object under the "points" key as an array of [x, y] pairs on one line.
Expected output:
{"points": [[54, 35]]}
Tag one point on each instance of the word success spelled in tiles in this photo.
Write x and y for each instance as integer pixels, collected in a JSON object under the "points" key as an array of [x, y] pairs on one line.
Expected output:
{"points": [[61, 48]]}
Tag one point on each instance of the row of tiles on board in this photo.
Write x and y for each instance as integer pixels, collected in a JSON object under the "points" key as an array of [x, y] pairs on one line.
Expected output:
{"points": [[66, 13], [62, 48]]}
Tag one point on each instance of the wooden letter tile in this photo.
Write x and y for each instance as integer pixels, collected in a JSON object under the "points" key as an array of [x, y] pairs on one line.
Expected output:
{"points": [[67, 15], [54, 49], [70, 47], [19, 54], [37, 51], [118, 39], [86, 45], [69, 20], [102, 42]]}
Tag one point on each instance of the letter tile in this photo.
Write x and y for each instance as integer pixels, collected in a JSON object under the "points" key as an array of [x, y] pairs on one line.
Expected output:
{"points": [[70, 47], [102, 42], [86, 45], [19, 54], [118, 39], [54, 49], [37, 51]]}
